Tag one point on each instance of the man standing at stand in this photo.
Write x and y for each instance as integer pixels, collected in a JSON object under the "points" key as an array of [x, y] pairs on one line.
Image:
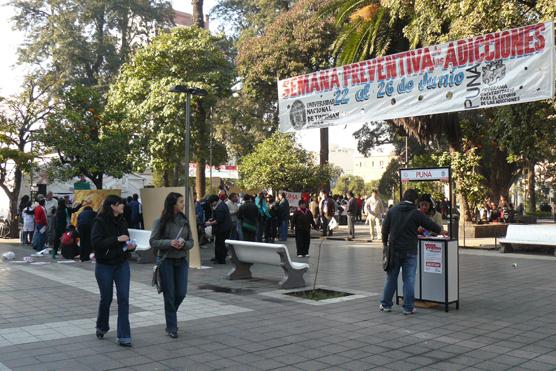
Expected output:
{"points": [[399, 237]]}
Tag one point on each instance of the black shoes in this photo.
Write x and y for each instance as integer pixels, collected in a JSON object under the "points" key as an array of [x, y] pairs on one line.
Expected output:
{"points": [[100, 335], [172, 334]]}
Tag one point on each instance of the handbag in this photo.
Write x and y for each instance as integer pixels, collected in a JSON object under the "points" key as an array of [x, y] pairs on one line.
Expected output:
{"points": [[156, 280], [249, 227], [388, 258], [332, 224]]}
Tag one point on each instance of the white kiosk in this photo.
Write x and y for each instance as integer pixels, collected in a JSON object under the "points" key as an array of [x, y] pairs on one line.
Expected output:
{"points": [[437, 277]]}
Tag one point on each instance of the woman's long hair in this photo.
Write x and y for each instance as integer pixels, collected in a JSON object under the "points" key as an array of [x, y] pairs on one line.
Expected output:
{"points": [[106, 210], [168, 211]]}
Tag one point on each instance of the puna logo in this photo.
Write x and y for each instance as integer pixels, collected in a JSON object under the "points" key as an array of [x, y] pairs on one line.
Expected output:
{"points": [[493, 72]]}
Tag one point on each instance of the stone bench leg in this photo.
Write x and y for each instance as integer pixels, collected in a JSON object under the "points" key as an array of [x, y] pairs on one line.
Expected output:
{"points": [[241, 270], [506, 248], [293, 278]]}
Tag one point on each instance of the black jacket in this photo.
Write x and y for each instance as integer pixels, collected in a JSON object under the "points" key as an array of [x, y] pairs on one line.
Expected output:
{"points": [[223, 220], [87, 217], [248, 213], [399, 228], [303, 221], [104, 238], [284, 210]]}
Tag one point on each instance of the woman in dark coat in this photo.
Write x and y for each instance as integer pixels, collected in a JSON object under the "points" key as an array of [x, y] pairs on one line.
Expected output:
{"points": [[84, 226], [110, 239]]}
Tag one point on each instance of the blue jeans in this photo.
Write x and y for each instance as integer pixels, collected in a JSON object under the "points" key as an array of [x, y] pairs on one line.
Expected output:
{"points": [[173, 274], [39, 239], [283, 230], [106, 276], [408, 264]]}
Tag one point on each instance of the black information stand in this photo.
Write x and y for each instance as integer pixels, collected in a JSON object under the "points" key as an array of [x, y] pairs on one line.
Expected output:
{"points": [[437, 277]]}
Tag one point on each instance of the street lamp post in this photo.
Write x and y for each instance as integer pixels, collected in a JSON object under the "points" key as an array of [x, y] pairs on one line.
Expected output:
{"points": [[188, 91]]}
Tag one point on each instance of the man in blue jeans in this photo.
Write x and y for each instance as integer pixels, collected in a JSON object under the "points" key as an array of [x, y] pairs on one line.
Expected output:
{"points": [[399, 233]]}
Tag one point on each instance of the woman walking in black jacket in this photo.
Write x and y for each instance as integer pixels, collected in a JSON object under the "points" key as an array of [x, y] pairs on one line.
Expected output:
{"points": [[171, 239], [110, 239]]}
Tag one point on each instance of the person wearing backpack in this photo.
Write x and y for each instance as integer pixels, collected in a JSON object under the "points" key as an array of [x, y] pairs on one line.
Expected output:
{"points": [[110, 239], [171, 240], [68, 243]]}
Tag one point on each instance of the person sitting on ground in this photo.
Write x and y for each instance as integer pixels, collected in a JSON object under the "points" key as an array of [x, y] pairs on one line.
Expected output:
{"points": [[68, 243]]}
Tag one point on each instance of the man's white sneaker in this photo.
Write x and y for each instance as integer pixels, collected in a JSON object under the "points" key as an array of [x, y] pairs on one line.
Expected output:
{"points": [[382, 308], [408, 312]]}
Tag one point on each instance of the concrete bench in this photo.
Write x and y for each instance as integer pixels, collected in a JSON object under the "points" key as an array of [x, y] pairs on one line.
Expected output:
{"points": [[143, 251], [244, 254], [528, 234]]}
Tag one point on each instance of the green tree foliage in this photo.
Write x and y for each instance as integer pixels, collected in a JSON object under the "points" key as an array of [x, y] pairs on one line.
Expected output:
{"points": [[86, 41], [19, 116], [83, 44], [249, 16], [142, 99], [365, 29], [346, 183], [468, 180], [430, 22], [296, 42], [280, 163], [87, 134], [239, 124]]}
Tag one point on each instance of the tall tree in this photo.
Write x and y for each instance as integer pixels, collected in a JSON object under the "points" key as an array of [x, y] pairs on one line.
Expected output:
{"points": [[279, 163], [87, 134], [19, 116], [198, 17], [425, 23], [83, 44], [142, 100]]}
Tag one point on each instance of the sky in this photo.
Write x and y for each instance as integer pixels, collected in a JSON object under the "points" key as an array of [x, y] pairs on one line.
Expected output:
{"points": [[11, 77]]}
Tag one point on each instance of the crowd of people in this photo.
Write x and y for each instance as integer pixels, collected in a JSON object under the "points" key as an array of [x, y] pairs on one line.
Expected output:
{"points": [[501, 212], [48, 225]]}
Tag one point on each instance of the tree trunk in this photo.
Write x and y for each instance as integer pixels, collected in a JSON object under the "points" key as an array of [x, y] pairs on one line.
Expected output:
{"points": [[198, 19], [200, 179], [166, 178], [176, 180], [498, 173], [532, 206], [14, 197], [323, 146]]}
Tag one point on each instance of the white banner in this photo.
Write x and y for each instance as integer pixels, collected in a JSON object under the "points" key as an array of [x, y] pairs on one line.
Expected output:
{"points": [[292, 197], [408, 175], [220, 171], [499, 68]]}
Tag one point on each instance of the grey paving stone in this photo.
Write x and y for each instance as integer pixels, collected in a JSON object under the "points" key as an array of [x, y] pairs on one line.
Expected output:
{"points": [[312, 365]]}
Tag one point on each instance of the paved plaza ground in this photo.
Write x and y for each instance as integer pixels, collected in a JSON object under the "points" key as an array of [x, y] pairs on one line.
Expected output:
{"points": [[506, 320]]}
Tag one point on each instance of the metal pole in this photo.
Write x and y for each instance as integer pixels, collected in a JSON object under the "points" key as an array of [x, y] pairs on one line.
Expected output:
{"points": [[210, 151], [187, 125]]}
